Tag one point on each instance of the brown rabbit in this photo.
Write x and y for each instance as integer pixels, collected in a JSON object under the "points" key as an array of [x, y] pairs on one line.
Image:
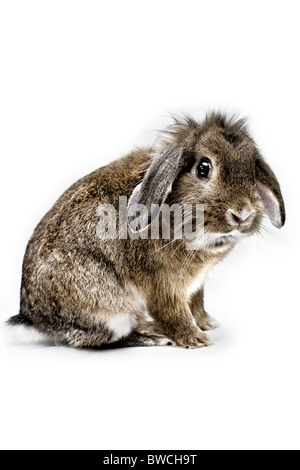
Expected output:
{"points": [[88, 291]]}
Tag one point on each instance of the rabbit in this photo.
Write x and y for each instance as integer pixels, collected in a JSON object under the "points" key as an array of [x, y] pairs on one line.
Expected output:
{"points": [[85, 291]]}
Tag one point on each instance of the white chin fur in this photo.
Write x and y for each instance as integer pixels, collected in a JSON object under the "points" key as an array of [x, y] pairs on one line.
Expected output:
{"points": [[209, 239]]}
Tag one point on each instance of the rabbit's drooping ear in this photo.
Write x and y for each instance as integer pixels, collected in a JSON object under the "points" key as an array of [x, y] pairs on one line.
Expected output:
{"points": [[155, 187], [269, 190]]}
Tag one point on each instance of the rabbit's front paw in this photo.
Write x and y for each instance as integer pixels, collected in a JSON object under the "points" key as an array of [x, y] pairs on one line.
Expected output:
{"points": [[206, 322], [192, 339]]}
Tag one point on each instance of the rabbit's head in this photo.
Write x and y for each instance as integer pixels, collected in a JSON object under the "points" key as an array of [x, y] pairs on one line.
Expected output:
{"points": [[215, 163]]}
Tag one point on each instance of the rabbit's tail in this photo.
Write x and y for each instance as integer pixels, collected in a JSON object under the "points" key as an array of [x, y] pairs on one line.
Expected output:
{"points": [[20, 319]]}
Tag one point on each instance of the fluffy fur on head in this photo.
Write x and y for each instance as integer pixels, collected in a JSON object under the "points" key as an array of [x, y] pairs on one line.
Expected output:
{"points": [[186, 129]]}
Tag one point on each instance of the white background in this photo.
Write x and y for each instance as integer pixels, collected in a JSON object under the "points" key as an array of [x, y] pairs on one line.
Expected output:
{"points": [[83, 82]]}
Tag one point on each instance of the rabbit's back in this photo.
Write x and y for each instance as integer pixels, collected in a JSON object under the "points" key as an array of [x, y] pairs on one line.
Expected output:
{"points": [[67, 270]]}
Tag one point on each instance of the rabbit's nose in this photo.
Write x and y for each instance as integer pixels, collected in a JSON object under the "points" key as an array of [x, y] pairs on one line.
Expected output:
{"points": [[238, 217]]}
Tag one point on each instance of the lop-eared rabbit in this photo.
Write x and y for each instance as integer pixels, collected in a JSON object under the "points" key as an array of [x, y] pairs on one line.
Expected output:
{"points": [[84, 290]]}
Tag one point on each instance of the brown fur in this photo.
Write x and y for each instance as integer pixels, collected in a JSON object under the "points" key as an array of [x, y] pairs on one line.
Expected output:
{"points": [[73, 283]]}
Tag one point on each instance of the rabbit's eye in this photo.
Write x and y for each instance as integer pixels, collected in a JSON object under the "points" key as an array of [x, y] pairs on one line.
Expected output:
{"points": [[204, 168]]}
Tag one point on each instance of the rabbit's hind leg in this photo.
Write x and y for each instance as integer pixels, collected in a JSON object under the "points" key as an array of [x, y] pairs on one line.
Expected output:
{"points": [[117, 332], [98, 333]]}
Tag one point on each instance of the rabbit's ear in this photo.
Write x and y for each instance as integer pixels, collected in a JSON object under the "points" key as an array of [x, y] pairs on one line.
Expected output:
{"points": [[270, 193], [149, 195]]}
